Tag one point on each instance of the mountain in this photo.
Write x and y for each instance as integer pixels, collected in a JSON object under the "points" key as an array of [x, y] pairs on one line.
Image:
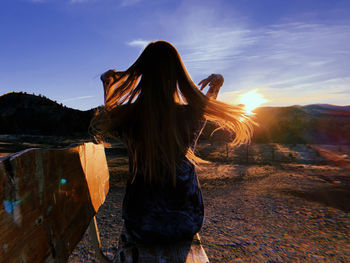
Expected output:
{"points": [[318, 124], [328, 107], [22, 113], [314, 124]]}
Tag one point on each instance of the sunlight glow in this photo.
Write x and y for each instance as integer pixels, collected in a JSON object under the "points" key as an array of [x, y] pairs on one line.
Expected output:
{"points": [[251, 100]]}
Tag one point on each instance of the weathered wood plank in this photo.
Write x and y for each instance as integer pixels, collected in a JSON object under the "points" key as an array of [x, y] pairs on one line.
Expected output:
{"points": [[47, 200]]}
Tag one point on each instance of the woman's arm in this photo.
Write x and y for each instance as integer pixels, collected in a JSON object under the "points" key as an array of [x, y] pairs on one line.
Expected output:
{"points": [[215, 82], [109, 77]]}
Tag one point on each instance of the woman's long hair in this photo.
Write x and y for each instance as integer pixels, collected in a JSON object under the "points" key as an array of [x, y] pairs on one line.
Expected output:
{"points": [[142, 105]]}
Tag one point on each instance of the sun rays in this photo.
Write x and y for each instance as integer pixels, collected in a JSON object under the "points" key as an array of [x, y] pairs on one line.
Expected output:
{"points": [[251, 100]]}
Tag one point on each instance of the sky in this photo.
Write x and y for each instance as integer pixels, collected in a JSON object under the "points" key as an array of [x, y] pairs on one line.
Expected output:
{"points": [[294, 52]]}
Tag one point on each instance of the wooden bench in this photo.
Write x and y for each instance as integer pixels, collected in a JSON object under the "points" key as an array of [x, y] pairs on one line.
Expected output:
{"points": [[49, 197]]}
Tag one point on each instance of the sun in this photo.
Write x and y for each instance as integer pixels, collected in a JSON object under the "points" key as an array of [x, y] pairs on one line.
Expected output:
{"points": [[251, 100]]}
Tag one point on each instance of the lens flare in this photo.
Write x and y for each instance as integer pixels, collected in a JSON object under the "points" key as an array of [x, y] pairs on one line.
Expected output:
{"points": [[251, 100]]}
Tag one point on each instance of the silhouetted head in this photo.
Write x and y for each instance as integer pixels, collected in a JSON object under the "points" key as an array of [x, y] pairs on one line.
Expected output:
{"points": [[155, 76], [158, 57], [161, 69]]}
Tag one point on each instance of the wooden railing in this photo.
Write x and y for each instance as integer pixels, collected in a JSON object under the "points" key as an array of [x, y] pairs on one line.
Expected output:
{"points": [[48, 197]]}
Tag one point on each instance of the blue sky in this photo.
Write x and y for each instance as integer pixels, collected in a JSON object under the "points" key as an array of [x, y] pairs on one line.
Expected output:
{"points": [[292, 51]]}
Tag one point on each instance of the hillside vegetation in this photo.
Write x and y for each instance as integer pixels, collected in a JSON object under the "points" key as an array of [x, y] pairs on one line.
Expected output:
{"points": [[22, 113]]}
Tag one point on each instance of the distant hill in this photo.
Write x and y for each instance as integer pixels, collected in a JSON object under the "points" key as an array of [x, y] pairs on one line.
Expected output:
{"points": [[314, 124], [327, 107], [22, 113], [318, 124]]}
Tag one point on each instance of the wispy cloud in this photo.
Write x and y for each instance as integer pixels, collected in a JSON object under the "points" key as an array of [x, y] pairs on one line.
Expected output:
{"points": [[139, 43], [292, 62], [215, 48], [297, 61], [207, 36], [78, 98]]}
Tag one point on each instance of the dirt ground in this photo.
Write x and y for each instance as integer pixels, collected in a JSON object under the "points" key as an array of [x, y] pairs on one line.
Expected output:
{"points": [[254, 212]]}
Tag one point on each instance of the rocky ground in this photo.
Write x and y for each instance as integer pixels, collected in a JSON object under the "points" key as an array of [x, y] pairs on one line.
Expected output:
{"points": [[273, 204]]}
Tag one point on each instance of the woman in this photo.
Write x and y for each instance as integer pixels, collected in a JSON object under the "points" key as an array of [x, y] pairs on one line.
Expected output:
{"points": [[158, 112]]}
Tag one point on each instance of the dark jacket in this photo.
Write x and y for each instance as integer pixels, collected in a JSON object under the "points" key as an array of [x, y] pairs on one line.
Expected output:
{"points": [[154, 213]]}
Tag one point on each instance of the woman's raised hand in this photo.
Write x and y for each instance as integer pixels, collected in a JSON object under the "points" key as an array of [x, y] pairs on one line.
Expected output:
{"points": [[108, 78], [215, 82]]}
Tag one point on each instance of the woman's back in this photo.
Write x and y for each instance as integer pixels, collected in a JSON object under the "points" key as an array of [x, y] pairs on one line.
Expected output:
{"points": [[166, 212]]}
